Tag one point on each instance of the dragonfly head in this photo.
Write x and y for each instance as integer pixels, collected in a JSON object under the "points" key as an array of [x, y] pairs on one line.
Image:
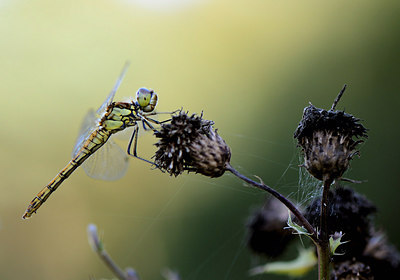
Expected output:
{"points": [[146, 99]]}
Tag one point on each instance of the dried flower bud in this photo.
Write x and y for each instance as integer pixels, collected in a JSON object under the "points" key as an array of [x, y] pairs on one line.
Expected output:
{"points": [[382, 257], [351, 270], [326, 138], [349, 212], [190, 143], [210, 154], [267, 233]]}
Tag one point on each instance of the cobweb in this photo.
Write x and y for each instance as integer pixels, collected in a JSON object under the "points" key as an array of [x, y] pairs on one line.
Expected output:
{"points": [[308, 187], [301, 191]]}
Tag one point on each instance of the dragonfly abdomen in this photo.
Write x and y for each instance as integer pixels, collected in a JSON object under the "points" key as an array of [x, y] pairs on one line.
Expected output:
{"points": [[97, 139]]}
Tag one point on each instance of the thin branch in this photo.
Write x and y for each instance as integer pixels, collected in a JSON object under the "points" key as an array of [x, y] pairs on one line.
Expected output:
{"points": [[131, 274], [169, 274], [281, 198], [97, 246]]}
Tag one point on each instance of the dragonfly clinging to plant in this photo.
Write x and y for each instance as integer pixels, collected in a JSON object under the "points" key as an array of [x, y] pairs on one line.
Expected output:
{"points": [[94, 143]]}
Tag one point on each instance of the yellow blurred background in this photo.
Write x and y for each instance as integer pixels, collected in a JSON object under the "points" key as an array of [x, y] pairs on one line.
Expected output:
{"points": [[251, 66]]}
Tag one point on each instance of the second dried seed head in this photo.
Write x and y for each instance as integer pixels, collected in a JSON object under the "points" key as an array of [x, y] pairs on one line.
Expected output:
{"points": [[328, 139]]}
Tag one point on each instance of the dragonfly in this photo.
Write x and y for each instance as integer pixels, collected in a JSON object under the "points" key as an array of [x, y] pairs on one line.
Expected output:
{"points": [[110, 162]]}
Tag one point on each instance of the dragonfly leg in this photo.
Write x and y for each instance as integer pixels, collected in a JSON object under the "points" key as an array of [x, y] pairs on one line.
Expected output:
{"points": [[145, 123], [159, 113], [145, 118], [131, 140], [134, 139], [155, 121]]}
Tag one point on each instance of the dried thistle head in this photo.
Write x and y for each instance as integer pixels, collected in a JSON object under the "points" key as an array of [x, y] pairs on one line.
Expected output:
{"points": [[190, 143], [349, 212], [327, 140], [266, 229], [382, 257]]}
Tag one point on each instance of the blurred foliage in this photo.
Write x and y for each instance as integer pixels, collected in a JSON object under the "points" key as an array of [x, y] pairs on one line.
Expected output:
{"points": [[252, 66]]}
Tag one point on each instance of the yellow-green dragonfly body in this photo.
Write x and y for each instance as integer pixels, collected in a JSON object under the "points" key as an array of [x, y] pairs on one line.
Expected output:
{"points": [[111, 118]]}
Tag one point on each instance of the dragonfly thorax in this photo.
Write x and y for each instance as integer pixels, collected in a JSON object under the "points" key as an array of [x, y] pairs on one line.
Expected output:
{"points": [[119, 116], [146, 99]]}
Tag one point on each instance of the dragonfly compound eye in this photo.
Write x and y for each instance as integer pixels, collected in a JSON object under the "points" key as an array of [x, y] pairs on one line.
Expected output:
{"points": [[147, 99], [143, 96]]}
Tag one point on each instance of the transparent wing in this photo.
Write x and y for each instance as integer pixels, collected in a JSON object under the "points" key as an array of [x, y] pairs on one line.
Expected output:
{"points": [[108, 163], [91, 120], [89, 124], [110, 97], [125, 134]]}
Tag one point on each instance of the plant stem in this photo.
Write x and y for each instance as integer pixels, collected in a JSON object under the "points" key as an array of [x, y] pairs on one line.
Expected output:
{"points": [[323, 241], [324, 210], [98, 247], [323, 260], [281, 198], [111, 265]]}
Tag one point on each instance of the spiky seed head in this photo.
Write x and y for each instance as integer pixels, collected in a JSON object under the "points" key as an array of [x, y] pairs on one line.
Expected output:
{"points": [[190, 143], [327, 141]]}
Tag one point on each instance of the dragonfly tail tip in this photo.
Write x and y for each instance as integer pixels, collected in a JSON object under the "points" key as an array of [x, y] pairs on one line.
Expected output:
{"points": [[26, 216]]}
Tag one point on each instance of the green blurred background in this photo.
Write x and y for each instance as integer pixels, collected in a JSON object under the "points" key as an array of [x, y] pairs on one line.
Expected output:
{"points": [[251, 66]]}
